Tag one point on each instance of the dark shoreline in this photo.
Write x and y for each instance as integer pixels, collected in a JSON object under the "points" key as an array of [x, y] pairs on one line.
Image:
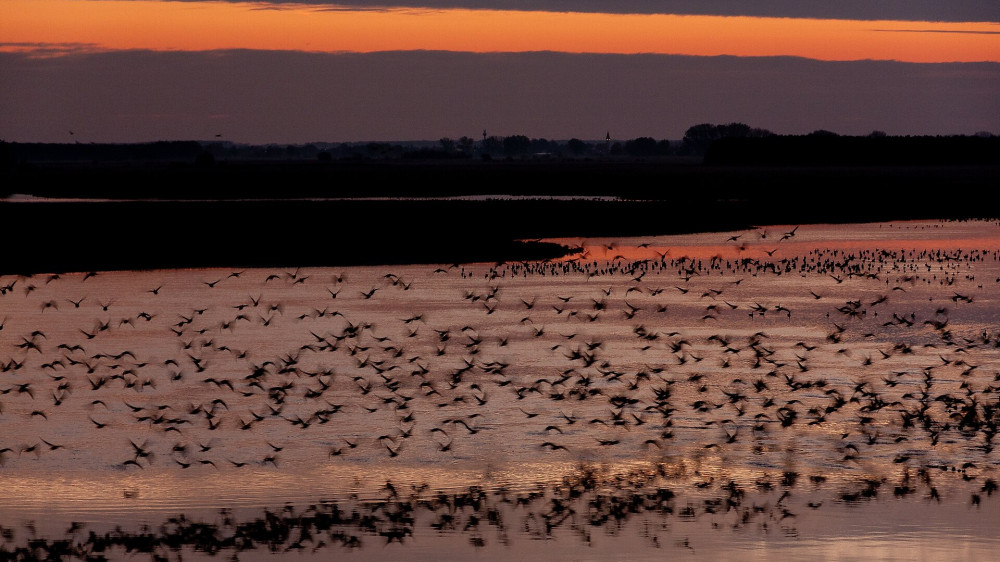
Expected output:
{"points": [[215, 228]]}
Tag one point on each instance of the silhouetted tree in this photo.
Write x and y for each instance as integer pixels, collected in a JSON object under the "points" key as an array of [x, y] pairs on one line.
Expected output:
{"points": [[641, 146], [542, 145], [576, 146], [492, 145], [6, 156], [516, 145], [698, 138], [204, 159]]}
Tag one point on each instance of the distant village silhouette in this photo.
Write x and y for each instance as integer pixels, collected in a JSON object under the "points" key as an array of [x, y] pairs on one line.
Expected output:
{"points": [[732, 144]]}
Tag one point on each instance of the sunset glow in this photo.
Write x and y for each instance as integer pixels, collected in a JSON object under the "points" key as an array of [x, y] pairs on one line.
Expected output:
{"points": [[187, 26]]}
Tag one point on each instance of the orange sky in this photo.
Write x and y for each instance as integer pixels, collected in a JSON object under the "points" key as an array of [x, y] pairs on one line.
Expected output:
{"points": [[190, 26]]}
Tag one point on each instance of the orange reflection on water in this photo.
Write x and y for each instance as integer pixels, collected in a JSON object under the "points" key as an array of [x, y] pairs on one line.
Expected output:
{"points": [[715, 245], [196, 26]]}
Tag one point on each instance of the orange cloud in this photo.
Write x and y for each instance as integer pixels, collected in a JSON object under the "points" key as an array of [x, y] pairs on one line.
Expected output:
{"points": [[196, 26]]}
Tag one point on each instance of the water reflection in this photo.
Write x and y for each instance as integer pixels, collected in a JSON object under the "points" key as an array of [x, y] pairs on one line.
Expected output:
{"points": [[548, 410], [652, 502]]}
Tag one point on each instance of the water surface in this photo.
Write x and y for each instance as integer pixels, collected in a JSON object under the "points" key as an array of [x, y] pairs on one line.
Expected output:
{"points": [[813, 391]]}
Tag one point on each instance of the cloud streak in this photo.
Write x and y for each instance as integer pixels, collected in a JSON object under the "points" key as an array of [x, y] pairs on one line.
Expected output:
{"points": [[904, 10], [36, 49], [972, 32]]}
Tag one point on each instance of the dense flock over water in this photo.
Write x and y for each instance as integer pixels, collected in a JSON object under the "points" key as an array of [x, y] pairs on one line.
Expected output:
{"points": [[804, 391]]}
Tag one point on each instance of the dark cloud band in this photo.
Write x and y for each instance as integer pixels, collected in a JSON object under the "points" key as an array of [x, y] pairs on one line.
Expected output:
{"points": [[138, 96], [906, 10]]}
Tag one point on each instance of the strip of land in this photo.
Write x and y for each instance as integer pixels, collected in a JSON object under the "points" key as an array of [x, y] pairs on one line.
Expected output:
{"points": [[77, 216]]}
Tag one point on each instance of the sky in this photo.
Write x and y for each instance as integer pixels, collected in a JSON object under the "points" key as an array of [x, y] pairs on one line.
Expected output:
{"points": [[313, 71]]}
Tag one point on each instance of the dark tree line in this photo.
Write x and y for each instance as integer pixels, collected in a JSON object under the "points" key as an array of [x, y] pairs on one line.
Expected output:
{"points": [[731, 143], [699, 138]]}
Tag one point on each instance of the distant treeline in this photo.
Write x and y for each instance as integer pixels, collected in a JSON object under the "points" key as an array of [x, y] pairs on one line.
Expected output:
{"points": [[726, 144]]}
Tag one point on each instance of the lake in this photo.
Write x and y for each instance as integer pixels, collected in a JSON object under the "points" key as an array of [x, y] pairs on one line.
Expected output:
{"points": [[802, 391]]}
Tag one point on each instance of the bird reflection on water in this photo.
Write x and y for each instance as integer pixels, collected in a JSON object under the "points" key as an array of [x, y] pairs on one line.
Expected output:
{"points": [[584, 503], [768, 390]]}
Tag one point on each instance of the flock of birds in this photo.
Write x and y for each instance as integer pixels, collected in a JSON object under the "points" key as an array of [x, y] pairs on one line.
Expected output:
{"points": [[822, 370]]}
